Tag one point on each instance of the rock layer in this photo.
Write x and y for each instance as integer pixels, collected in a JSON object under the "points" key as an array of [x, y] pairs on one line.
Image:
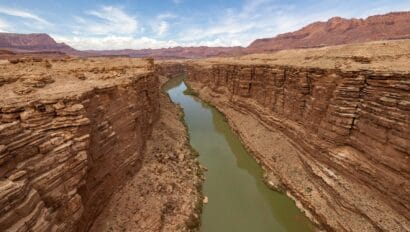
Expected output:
{"points": [[348, 162], [165, 194], [70, 138]]}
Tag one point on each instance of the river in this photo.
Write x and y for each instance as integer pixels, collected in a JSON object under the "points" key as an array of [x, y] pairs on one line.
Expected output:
{"points": [[239, 200]]}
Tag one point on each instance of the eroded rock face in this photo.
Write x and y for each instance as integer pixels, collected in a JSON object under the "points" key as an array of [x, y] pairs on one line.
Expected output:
{"points": [[349, 130], [165, 194], [170, 68], [65, 147]]}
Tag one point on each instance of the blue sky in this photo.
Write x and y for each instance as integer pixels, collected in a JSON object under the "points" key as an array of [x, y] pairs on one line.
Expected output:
{"points": [[140, 24]]}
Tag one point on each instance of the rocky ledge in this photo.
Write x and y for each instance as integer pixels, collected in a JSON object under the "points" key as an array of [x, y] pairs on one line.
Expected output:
{"points": [[330, 126]]}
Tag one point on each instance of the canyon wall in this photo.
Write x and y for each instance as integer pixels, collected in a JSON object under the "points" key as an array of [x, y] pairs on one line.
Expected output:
{"points": [[350, 129], [170, 68], [70, 134]]}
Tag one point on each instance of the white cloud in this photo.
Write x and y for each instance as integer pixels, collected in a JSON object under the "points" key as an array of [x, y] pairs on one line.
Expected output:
{"points": [[3, 26], [107, 20], [110, 27], [128, 42], [114, 42], [242, 25], [267, 18], [256, 19], [161, 24], [162, 28], [23, 14]]}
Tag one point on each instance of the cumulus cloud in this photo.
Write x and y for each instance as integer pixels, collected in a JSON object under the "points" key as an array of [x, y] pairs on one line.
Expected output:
{"points": [[105, 21], [23, 14]]}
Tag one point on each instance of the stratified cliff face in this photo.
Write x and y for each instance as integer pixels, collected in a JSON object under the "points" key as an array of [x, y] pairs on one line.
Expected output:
{"points": [[70, 133], [346, 153], [169, 68]]}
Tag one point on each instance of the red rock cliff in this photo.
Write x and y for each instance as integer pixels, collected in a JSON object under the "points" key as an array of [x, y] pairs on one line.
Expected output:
{"points": [[69, 135], [349, 129]]}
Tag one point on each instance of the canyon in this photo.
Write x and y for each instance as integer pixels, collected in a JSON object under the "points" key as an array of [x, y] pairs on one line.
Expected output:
{"points": [[95, 144]]}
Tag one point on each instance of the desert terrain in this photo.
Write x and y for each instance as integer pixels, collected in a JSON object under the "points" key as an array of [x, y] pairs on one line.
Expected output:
{"points": [[305, 131], [339, 117]]}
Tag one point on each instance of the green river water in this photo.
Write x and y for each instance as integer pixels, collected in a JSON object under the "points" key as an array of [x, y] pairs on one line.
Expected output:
{"points": [[239, 201]]}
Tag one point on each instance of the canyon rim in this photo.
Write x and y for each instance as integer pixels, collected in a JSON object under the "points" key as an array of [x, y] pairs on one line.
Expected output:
{"points": [[109, 129]]}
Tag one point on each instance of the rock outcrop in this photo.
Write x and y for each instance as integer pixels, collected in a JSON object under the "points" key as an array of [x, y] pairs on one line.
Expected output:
{"points": [[69, 137], [346, 118]]}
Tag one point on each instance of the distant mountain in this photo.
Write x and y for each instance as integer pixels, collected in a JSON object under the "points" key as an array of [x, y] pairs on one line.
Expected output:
{"points": [[174, 53], [333, 32], [339, 31], [33, 43]]}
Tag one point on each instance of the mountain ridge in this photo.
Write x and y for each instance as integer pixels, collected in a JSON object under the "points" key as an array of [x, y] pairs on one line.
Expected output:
{"points": [[337, 30]]}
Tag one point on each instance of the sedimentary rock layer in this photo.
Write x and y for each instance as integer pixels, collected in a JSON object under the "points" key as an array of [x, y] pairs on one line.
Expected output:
{"points": [[346, 157], [169, 68], [71, 132], [165, 194]]}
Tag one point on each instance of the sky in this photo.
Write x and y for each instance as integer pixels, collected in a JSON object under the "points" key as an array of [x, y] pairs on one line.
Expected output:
{"points": [[137, 24]]}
